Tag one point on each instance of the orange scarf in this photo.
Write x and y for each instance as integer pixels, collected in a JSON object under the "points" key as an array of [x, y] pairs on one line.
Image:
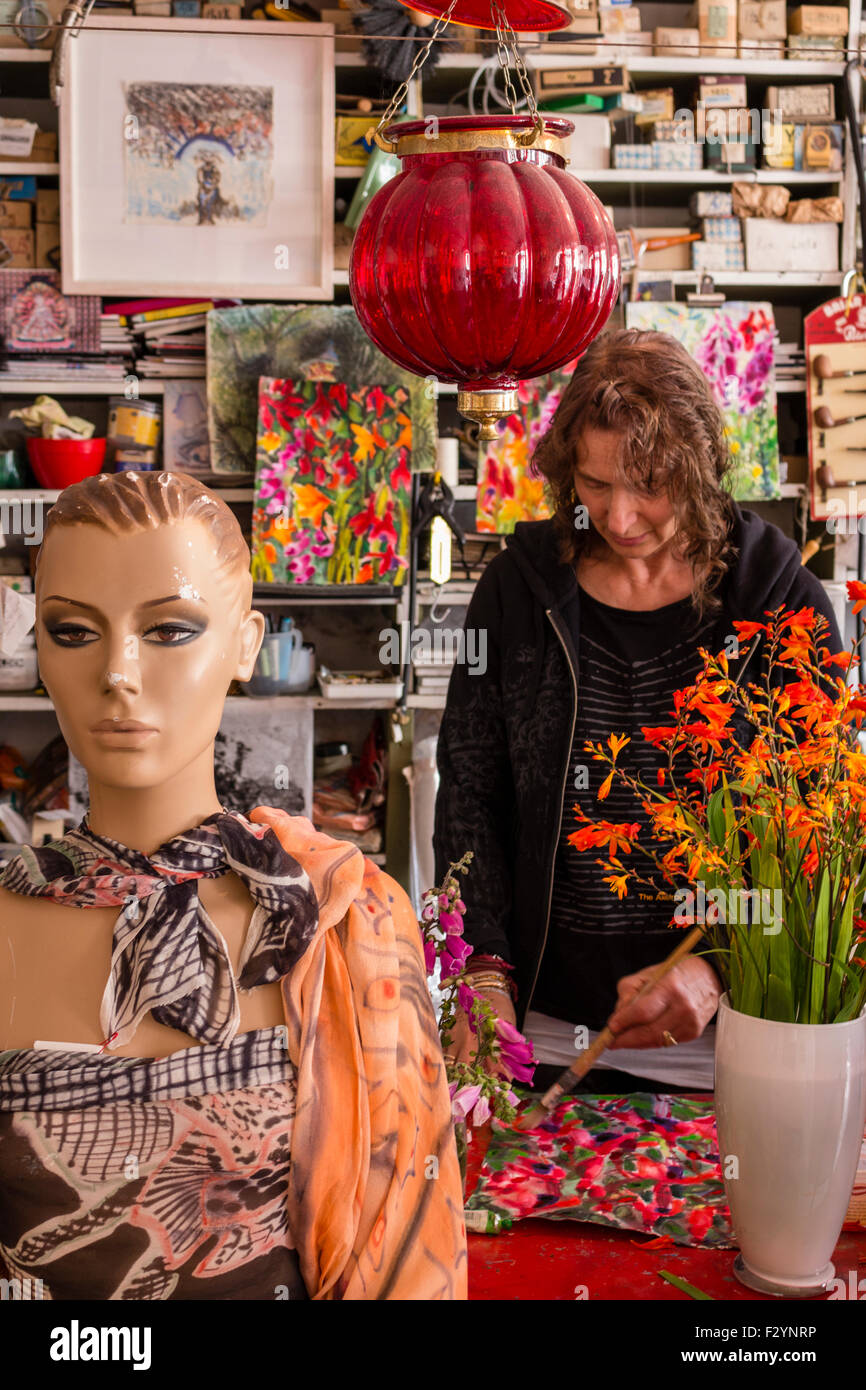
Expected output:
{"points": [[376, 1199]]}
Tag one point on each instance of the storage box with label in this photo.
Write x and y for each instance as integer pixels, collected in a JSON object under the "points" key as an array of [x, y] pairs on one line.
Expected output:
{"points": [[632, 156], [676, 43], [762, 19], [721, 229], [803, 246], [561, 82], [589, 146], [619, 19], [716, 21], [813, 101], [675, 257], [732, 156], [819, 147], [727, 123], [717, 255], [722, 91], [760, 48], [821, 48], [20, 244], [819, 19], [711, 203], [677, 154], [657, 104], [779, 145], [15, 214]]}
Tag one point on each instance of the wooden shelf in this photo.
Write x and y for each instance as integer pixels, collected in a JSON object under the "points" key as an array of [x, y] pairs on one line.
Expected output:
{"points": [[43, 705], [25, 55], [700, 178], [10, 386], [19, 167], [539, 56]]}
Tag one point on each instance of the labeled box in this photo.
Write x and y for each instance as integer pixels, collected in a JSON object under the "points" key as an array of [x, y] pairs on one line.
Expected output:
{"points": [[677, 154], [657, 104], [733, 156], [19, 242], [716, 21], [633, 157], [812, 101], [823, 20], [775, 245], [727, 123], [589, 145], [619, 19], [779, 145], [760, 48], [722, 229], [718, 255], [561, 82], [711, 203], [819, 147], [722, 91], [676, 43], [15, 214], [821, 48], [762, 19]]}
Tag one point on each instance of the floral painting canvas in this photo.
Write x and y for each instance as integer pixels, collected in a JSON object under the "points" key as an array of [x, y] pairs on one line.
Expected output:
{"points": [[647, 1163], [319, 343], [332, 498], [508, 489], [733, 346]]}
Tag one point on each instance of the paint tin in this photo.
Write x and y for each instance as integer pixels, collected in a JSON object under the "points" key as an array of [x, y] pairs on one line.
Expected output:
{"points": [[130, 458], [134, 422]]}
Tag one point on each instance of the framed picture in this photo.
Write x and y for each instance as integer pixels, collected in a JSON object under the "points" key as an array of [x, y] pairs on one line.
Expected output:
{"points": [[198, 159]]}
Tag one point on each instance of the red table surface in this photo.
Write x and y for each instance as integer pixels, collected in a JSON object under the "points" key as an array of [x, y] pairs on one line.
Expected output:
{"points": [[547, 1259]]}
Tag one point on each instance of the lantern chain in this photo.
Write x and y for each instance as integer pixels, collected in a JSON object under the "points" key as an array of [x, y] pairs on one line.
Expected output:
{"points": [[507, 45], [402, 91]]}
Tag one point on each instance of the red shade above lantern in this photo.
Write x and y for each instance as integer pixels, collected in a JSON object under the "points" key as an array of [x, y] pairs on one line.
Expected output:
{"points": [[524, 16], [484, 262]]}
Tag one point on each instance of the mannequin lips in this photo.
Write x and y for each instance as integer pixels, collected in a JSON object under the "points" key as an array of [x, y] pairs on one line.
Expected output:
{"points": [[123, 733]]}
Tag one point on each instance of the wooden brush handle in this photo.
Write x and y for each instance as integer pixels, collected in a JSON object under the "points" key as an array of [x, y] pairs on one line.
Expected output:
{"points": [[581, 1065]]}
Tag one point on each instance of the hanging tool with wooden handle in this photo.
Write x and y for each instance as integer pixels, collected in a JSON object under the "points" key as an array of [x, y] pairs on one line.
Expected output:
{"points": [[632, 245], [578, 1069]]}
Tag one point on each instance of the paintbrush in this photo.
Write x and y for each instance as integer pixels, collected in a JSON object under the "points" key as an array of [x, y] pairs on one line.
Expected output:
{"points": [[581, 1065]]}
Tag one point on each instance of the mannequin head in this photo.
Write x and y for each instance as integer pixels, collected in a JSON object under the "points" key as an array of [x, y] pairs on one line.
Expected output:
{"points": [[143, 593]]}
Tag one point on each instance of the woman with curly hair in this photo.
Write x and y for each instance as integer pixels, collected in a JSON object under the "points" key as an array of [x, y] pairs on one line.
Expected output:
{"points": [[593, 619]]}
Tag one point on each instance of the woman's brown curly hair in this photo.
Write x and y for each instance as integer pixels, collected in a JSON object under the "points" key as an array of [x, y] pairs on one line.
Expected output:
{"points": [[645, 386]]}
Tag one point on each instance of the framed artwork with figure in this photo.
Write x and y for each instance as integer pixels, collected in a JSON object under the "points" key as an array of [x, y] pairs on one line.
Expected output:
{"points": [[198, 160]]}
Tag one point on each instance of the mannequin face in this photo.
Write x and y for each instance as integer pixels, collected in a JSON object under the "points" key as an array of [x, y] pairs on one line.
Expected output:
{"points": [[154, 633]]}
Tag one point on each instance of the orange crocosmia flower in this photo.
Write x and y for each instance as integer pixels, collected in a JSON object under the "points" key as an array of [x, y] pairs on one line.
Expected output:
{"points": [[658, 736], [857, 594], [749, 630], [660, 776], [618, 884], [604, 789], [704, 735], [841, 659], [800, 623], [794, 649], [617, 836], [616, 743], [810, 863], [311, 503]]}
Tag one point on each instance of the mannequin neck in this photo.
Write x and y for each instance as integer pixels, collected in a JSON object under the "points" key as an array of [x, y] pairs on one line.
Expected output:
{"points": [[143, 818]]}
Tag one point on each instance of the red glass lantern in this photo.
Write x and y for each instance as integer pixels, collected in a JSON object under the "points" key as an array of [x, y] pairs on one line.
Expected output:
{"points": [[484, 262]]}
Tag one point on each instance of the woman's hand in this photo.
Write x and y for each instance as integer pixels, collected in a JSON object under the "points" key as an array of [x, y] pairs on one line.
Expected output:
{"points": [[681, 1004], [464, 1043]]}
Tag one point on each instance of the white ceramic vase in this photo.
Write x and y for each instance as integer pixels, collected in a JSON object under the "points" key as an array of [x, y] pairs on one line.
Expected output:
{"points": [[790, 1106]]}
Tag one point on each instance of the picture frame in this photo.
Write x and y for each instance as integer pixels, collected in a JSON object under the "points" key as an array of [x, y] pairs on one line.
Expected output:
{"points": [[152, 201]]}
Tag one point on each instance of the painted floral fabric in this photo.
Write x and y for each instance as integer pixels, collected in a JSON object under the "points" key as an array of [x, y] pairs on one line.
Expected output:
{"points": [[508, 489], [733, 346], [642, 1162], [333, 483]]}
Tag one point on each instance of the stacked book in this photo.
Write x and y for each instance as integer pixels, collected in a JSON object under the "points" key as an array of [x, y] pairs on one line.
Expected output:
{"points": [[168, 334], [70, 366], [790, 361]]}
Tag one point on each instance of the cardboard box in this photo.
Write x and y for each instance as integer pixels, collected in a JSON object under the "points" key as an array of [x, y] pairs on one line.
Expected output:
{"points": [[811, 102], [819, 147], [819, 19], [721, 229], [15, 214], [760, 48], [48, 245], [48, 205], [733, 156], [720, 123], [824, 49], [668, 257], [716, 21], [657, 104], [589, 146], [718, 255], [722, 91], [222, 11], [19, 240], [677, 154], [709, 203], [632, 157], [762, 19], [774, 245], [619, 19], [562, 82], [779, 145], [676, 43], [15, 186]]}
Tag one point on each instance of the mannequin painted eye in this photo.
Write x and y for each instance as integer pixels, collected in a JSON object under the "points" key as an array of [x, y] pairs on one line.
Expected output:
{"points": [[71, 635], [173, 634]]}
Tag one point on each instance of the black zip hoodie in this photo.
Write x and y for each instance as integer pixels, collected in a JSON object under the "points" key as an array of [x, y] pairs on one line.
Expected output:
{"points": [[505, 739]]}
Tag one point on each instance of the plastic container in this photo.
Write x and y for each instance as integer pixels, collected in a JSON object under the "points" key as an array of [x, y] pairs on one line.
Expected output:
{"points": [[273, 669], [134, 422], [20, 671], [58, 463]]}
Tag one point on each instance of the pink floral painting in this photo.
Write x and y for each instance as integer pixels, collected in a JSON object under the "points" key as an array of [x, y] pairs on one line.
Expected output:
{"points": [[332, 498], [508, 489]]}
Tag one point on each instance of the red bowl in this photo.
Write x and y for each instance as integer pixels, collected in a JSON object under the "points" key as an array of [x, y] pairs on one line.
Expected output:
{"points": [[58, 463]]}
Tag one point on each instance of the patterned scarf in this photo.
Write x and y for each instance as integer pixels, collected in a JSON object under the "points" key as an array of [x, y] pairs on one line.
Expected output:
{"points": [[167, 955]]}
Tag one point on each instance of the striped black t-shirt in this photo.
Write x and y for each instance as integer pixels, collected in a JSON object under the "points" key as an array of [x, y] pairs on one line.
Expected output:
{"points": [[629, 665]]}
